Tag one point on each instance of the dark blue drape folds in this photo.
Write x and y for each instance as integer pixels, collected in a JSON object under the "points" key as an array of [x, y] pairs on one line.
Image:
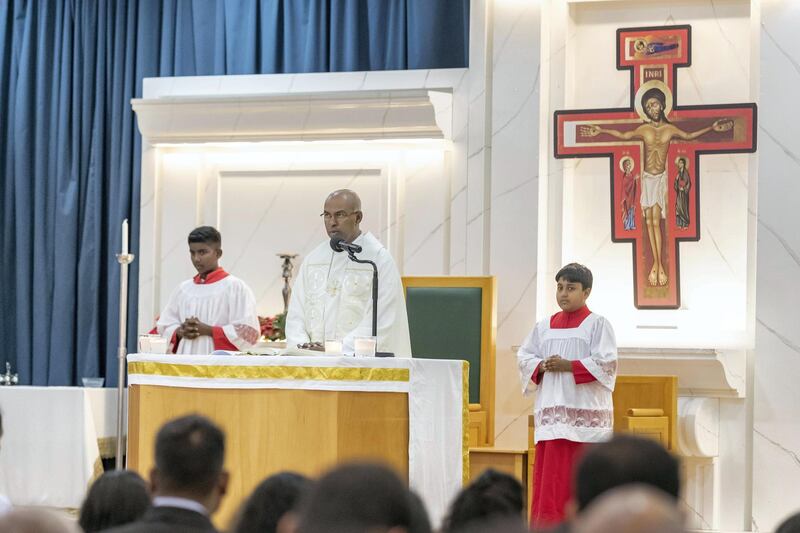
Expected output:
{"points": [[69, 148]]}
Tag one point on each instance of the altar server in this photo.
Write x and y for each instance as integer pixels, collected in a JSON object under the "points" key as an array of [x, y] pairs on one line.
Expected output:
{"points": [[332, 295], [572, 358], [212, 311]]}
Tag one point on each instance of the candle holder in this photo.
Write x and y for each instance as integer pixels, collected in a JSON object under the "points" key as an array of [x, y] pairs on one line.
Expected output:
{"points": [[8, 378], [286, 274]]}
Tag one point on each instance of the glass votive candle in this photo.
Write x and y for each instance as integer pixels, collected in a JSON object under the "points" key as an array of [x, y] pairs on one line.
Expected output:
{"points": [[365, 346], [333, 347]]}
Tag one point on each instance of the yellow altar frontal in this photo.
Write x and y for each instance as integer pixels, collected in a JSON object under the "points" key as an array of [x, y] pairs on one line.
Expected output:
{"points": [[308, 414]]}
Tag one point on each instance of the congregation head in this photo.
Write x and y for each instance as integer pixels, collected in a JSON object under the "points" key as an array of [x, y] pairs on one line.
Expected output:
{"points": [[189, 456], [625, 459], [29, 520], [790, 525], [358, 498], [634, 508], [117, 497], [270, 502], [492, 495]]}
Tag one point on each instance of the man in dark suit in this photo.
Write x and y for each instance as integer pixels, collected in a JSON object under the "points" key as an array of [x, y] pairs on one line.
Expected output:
{"points": [[187, 481]]}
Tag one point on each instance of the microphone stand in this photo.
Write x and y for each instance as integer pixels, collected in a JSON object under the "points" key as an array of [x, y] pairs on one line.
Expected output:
{"points": [[355, 259]]}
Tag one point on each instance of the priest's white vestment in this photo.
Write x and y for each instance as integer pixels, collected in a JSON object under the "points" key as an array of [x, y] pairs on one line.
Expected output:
{"points": [[332, 299]]}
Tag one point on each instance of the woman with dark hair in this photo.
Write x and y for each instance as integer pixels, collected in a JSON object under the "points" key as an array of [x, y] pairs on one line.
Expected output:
{"points": [[270, 501], [116, 498]]}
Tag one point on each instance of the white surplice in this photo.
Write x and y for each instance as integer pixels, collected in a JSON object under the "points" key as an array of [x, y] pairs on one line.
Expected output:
{"points": [[228, 303], [332, 299], [563, 409]]}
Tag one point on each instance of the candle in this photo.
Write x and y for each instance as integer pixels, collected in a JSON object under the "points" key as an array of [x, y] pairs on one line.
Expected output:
{"points": [[333, 347], [364, 346], [125, 237]]}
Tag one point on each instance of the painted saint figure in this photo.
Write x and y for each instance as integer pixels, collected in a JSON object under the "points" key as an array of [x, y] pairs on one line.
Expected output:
{"points": [[629, 183], [682, 185], [656, 133]]}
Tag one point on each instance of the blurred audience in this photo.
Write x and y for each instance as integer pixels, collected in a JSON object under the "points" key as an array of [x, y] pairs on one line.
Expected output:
{"points": [[360, 498], [34, 521], [623, 460], [117, 497], [633, 508], [790, 525], [188, 481], [491, 496], [272, 499]]}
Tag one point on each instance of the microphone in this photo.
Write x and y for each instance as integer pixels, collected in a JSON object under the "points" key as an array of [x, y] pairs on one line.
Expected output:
{"points": [[340, 245]]}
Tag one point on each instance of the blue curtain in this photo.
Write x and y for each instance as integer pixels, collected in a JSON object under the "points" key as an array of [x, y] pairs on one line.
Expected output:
{"points": [[69, 148]]}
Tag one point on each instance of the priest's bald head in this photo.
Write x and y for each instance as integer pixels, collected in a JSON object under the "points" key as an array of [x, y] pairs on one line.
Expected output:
{"points": [[342, 215]]}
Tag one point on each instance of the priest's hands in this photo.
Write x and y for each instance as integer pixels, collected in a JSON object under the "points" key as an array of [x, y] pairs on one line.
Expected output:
{"points": [[555, 363], [193, 328], [316, 346]]}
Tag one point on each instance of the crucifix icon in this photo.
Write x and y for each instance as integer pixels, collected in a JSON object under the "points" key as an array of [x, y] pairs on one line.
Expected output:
{"points": [[654, 148]]}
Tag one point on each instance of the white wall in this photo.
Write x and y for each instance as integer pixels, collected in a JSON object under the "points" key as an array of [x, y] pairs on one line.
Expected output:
{"points": [[776, 359]]}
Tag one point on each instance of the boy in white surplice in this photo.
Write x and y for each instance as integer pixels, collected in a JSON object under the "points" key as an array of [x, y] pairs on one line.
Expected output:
{"points": [[572, 358], [212, 311]]}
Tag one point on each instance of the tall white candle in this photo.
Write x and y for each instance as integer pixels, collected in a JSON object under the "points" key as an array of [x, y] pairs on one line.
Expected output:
{"points": [[125, 237]]}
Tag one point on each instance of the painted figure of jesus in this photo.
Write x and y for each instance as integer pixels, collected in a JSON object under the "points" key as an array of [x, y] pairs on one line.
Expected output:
{"points": [[656, 133]]}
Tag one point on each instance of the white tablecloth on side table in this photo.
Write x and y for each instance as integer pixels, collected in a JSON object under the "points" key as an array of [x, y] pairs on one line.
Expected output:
{"points": [[50, 452]]}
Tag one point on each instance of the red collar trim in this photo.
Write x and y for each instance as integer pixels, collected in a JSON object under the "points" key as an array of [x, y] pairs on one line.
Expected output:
{"points": [[212, 277], [573, 319]]}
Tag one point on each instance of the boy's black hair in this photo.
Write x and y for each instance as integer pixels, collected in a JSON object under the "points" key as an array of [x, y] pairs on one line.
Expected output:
{"points": [[576, 273], [206, 234]]}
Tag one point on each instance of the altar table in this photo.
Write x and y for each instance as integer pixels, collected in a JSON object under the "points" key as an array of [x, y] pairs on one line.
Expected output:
{"points": [[310, 413]]}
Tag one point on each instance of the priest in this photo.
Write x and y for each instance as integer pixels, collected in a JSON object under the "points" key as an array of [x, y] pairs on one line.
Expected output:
{"points": [[332, 295], [212, 311]]}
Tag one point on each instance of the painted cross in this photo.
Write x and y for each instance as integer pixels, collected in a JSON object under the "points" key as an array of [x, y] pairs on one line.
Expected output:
{"points": [[654, 148]]}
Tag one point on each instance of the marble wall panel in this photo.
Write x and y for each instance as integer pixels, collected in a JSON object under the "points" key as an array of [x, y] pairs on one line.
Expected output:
{"points": [[776, 417], [514, 197]]}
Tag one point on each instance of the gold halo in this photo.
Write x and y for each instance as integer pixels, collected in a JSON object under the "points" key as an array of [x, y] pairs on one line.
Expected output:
{"points": [[658, 84], [623, 159], [637, 42], [684, 158]]}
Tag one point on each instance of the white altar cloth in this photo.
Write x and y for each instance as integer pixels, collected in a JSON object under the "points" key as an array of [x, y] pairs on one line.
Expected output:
{"points": [[438, 444], [50, 453]]}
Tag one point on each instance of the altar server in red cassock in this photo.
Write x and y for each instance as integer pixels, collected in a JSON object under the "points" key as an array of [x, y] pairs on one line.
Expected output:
{"points": [[212, 311], [571, 358]]}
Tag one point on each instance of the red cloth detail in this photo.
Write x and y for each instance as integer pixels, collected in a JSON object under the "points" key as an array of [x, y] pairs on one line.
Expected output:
{"points": [[211, 277], [552, 480], [537, 376], [581, 374], [573, 319], [221, 342], [173, 342]]}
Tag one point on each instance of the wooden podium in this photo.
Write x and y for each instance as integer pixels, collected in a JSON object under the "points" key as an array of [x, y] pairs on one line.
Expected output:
{"points": [[299, 413]]}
